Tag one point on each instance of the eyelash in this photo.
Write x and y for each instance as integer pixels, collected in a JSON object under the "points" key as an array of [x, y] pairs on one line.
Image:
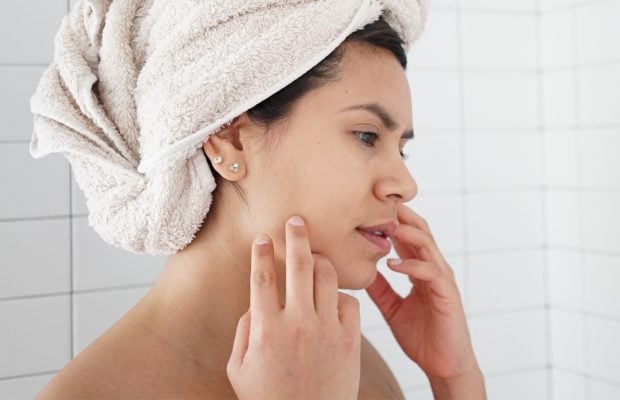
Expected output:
{"points": [[404, 156]]}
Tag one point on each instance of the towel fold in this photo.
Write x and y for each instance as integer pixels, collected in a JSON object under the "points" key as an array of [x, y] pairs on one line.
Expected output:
{"points": [[137, 86]]}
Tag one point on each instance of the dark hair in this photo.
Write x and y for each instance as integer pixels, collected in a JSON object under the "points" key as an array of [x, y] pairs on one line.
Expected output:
{"points": [[277, 108]]}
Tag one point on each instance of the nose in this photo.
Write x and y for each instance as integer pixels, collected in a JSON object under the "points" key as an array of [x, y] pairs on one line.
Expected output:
{"points": [[397, 182]]}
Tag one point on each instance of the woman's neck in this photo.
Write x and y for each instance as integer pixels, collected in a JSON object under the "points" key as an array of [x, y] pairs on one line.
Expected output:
{"points": [[195, 304]]}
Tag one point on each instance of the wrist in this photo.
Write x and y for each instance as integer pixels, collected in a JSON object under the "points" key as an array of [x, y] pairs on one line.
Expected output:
{"points": [[468, 386]]}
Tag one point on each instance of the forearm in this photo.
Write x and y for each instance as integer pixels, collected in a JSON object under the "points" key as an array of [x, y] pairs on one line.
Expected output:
{"points": [[467, 387]]}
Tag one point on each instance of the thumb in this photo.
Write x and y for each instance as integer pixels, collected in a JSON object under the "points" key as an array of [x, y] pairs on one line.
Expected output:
{"points": [[240, 344], [384, 297]]}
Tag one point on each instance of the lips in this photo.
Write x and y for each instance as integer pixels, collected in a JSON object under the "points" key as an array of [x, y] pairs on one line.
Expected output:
{"points": [[387, 229], [380, 241]]}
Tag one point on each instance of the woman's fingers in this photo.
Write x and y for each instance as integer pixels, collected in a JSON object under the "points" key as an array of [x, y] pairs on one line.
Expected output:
{"points": [[384, 297], [403, 249], [349, 312], [422, 242], [325, 287], [299, 266], [263, 286], [425, 271], [241, 342], [410, 217]]}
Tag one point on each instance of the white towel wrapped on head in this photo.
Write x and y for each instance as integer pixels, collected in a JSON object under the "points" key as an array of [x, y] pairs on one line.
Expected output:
{"points": [[137, 86]]}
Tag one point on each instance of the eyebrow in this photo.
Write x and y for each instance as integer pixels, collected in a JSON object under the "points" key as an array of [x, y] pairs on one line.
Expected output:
{"points": [[385, 117]]}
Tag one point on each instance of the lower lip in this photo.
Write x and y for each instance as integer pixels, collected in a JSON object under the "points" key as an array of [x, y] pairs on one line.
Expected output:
{"points": [[382, 243]]}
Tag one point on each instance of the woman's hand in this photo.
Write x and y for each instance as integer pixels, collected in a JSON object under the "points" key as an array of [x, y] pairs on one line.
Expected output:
{"points": [[429, 324], [308, 349]]}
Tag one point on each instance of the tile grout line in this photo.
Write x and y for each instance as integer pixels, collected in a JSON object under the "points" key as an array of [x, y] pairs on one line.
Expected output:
{"points": [[27, 375], [543, 191], [462, 133], [78, 292], [587, 376], [578, 161]]}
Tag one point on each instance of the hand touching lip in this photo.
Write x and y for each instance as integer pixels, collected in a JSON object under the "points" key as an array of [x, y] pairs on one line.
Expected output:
{"points": [[429, 323]]}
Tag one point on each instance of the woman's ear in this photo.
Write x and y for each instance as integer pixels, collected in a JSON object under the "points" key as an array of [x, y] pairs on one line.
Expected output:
{"points": [[226, 153]]}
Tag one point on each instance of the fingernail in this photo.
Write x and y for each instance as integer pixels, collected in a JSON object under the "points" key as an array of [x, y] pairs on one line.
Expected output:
{"points": [[394, 261], [296, 221], [261, 239]]}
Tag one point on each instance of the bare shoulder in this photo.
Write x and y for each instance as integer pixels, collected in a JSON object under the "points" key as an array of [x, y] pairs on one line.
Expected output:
{"points": [[123, 362], [376, 379]]}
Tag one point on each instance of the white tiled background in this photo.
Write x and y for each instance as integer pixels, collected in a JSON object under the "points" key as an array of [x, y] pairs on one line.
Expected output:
{"points": [[516, 108]]}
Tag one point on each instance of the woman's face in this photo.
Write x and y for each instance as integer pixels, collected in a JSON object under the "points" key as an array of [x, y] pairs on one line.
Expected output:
{"points": [[331, 176]]}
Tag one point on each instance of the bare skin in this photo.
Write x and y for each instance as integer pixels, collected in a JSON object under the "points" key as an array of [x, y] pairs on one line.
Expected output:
{"points": [[177, 340]]}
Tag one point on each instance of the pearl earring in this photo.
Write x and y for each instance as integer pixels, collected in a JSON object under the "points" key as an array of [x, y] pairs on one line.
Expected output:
{"points": [[217, 160], [233, 167]]}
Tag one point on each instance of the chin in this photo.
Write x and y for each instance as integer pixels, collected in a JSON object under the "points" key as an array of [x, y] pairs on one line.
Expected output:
{"points": [[361, 277]]}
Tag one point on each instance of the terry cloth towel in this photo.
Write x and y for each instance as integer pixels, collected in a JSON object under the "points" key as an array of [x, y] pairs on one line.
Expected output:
{"points": [[137, 86]]}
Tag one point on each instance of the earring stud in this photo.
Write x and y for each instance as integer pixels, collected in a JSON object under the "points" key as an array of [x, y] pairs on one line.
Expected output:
{"points": [[217, 160], [233, 167]]}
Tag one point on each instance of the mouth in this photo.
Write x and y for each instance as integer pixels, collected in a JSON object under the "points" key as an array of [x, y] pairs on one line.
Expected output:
{"points": [[378, 239]]}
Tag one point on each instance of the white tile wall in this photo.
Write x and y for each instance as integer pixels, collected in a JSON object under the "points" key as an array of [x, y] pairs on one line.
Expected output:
{"points": [[557, 39], [598, 105], [28, 27], [515, 157], [442, 4], [500, 5], [602, 275], [95, 312], [98, 264], [35, 336], [597, 22], [34, 249], [603, 357], [602, 221], [562, 207], [553, 5], [435, 100], [537, 269], [561, 163], [504, 220], [559, 99], [604, 391], [23, 388], [583, 219], [568, 386], [509, 341], [438, 47], [600, 165], [492, 40], [17, 83], [566, 278], [531, 385], [517, 281], [567, 348], [435, 162], [32, 188], [499, 100]]}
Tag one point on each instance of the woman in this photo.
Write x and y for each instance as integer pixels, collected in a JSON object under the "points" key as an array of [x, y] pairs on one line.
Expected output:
{"points": [[232, 318]]}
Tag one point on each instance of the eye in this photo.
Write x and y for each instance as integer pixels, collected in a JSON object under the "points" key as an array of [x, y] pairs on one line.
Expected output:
{"points": [[375, 137], [361, 134]]}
